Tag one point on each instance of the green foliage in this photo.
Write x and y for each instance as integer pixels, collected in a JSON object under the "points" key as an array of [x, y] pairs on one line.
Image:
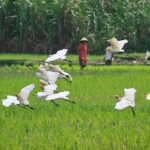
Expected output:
{"points": [[34, 26]]}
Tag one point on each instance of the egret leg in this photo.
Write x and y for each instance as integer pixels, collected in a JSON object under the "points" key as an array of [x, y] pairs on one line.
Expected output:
{"points": [[67, 60], [70, 101], [30, 107], [55, 103], [133, 111], [21, 106]]}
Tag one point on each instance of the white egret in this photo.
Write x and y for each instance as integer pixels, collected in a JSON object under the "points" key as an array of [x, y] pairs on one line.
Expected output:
{"points": [[48, 76], [62, 73], [23, 95], [116, 46], [61, 54], [48, 90], [20, 98], [127, 100], [49, 94], [147, 55]]}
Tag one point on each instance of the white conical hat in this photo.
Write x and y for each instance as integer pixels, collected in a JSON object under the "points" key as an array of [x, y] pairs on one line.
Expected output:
{"points": [[84, 39]]}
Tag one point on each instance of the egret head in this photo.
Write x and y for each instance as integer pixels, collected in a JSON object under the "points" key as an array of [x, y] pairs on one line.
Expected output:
{"points": [[117, 97], [108, 49], [41, 87]]}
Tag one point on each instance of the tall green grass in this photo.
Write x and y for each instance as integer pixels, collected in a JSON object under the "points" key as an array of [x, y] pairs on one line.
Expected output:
{"points": [[91, 123]]}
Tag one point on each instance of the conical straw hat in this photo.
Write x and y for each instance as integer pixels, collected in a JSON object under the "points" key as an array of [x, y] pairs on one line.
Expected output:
{"points": [[84, 39]]}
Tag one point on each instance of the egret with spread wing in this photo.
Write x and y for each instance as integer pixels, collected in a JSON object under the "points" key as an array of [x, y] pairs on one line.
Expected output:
{"points": [[61, 54], [48, 76], [20, 98], [62, 73], [116, 46], [49, 94], [127, 100]]}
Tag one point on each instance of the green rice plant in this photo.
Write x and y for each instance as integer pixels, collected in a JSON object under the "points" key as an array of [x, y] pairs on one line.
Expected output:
{"points": [[91, 123]]}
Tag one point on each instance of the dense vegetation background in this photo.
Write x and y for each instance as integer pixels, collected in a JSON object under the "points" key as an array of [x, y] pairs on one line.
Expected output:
{"points": [[33, 26]]}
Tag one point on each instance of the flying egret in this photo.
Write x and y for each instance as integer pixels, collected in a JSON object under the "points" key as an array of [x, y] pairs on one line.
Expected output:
{"points": [[48, 89], [147, 55], [49, 94], [62, 73], [20, 98], [23, 95], [48, 76], [61, 54], [127, 100], [116, 46]]}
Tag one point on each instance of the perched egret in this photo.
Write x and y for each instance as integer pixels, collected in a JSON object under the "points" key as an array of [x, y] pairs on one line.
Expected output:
{"points": [[62, 73], [48, 76], [61, 54], [127, 100], [116, 46], [20, 98], [147, 55]]}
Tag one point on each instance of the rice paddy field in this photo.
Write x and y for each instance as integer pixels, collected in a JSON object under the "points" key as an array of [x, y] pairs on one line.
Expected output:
{"points": [[90, 124]]}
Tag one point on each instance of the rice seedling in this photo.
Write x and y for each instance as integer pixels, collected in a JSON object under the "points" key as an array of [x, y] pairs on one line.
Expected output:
{"points": [[92, 123]]}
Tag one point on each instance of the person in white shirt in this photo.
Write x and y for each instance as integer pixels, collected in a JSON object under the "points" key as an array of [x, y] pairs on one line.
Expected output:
{"points": [[108, 58]]}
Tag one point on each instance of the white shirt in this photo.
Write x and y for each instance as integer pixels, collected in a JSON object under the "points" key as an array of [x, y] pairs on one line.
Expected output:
{"points": [[108, 55]]}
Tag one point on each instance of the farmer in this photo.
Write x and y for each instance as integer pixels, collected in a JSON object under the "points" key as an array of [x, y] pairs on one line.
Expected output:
{"points": [[108, 58], [82, 51]]}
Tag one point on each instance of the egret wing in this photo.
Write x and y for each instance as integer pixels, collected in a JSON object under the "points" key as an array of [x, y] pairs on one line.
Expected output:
{"points": [[10, 100], [58, 95], [53, 77], [41, 94], [49, 89], [122, 42], [114, 43], [148, 97], [130, 94], [7, 102], [122, 104], [58, 55], [53, 68], [26, 90]]}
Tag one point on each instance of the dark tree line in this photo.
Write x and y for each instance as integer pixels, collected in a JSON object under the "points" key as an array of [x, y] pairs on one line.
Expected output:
{"points": [[34, 26]]}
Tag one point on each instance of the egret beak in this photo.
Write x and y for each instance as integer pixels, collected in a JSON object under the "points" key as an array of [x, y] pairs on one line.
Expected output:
{"points": [[41, 87]]}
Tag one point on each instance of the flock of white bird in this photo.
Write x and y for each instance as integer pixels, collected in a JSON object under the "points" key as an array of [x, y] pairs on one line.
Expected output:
{"points": [[49, 73]]}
